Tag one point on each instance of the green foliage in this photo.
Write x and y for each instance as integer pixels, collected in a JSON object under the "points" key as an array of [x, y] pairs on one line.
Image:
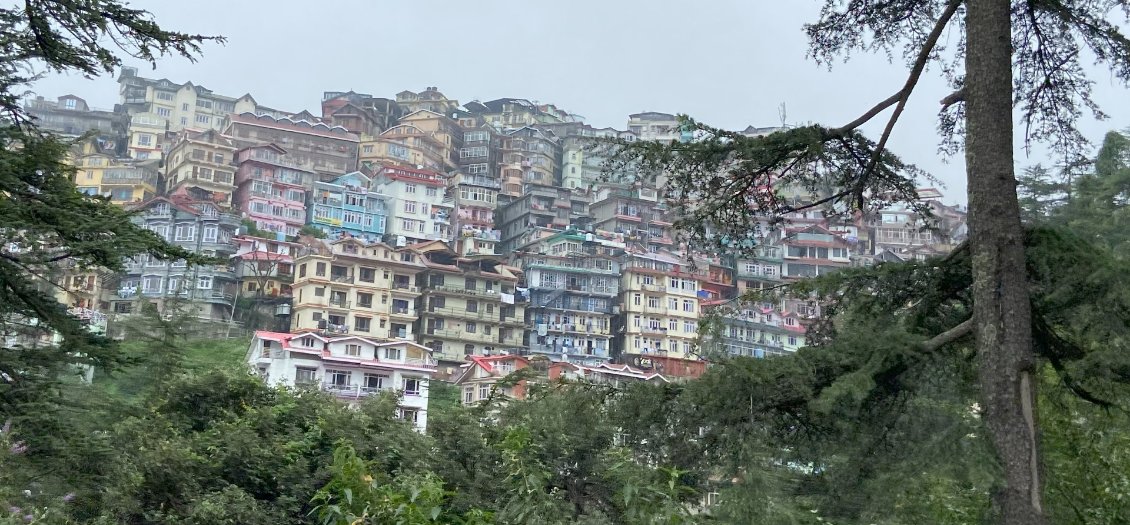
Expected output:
{"points": [[312, 231]]}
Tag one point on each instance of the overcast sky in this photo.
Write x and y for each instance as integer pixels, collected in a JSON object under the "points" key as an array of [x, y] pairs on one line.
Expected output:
{"points": [[728, 63]]}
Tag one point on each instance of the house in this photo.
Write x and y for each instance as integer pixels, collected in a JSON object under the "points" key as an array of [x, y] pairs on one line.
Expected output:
{"points": [[475, 199], [349, 206], [812, 251], [659, 301], [609, 374], [327, 150], [199, 167], [468, 304], [349, 286], [349, 367], [480, 375], [197, 226], [271, 188], [419, 208]]}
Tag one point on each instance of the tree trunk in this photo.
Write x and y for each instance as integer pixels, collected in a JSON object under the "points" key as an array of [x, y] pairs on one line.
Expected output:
{"points": [[1001, 312]]}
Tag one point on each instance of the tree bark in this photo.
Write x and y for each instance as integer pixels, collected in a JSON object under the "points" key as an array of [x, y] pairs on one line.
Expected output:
{"points": [[1001, 312]]}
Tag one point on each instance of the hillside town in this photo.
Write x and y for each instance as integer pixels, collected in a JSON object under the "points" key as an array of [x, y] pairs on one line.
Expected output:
{"points": [[382, 243]]}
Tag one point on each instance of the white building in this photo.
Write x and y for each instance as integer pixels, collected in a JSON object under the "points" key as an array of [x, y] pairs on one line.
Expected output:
{"points": [[349, 367], [419, 208]]}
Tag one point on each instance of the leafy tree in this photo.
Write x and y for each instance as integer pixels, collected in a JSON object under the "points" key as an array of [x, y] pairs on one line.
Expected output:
{"points": [[312, 231], [725, 184]]}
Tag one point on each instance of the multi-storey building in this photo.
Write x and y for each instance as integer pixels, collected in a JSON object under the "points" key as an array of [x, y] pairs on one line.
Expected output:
{"points": [[404, 144], [419, 208], [813, 251], [349, 367], [101, 170], [349, 286], [528, 155], [468, 306], [71, 116], [199, 227], [364, 115], [659, 304], [583, 156], [479, 153], [444, 128], [634, 212], [182, 106], [480, 377], [199, 166], [271, 188], [506, 113], [265, 267], [540, 207], [328, 150], [754, 329], [348, 205], [573, 280], [475, 199], [652, 125], [430, 99], [761, 270]]}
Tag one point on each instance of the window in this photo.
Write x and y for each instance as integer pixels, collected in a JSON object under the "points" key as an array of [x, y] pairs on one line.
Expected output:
{"points": [[472, 306], [204, 282], [473, 152], [652, 302], [409, 188], [144, 139], [409, 206], [362, 324], [471, 328], [186, 232], [637, 299], [184, 121], [475, 136], [412, 386], [375, 382], [367, 275], [484, 391], [392, 354], [304, 376], [364, 300], [320, 269], [338, 378], [203, 119], [688, 305], [320, 291], [353, 350], [210, 232], [469, 394], [164, 95], [792, 340], [367, 148], [184, 107], [302, 270], [412, 416], [151, 284], [430, 191], [477, 169]]}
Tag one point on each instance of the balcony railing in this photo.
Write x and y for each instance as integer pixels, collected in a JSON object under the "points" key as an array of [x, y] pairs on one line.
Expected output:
{"points": [[405, 287], [464, 291], [339, 303], [342, 278]]}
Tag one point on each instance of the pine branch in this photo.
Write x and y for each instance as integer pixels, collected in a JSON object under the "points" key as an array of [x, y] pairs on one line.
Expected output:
{"points": [[949, 336]]}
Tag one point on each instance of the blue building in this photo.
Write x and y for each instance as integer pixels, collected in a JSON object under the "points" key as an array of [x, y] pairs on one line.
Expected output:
{"points": [[350, 205]]}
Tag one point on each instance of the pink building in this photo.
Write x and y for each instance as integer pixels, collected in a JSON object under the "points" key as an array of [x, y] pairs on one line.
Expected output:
{"points": [[271, 188]]}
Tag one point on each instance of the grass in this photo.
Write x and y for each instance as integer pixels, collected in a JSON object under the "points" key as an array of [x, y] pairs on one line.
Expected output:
{"points": [[199, 355]]}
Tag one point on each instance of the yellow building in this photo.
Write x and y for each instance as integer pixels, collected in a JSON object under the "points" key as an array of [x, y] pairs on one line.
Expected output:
{"points": [[98, 171], [199, 165], [660, 305], [468, 305], [348, 286], [405, 145]]}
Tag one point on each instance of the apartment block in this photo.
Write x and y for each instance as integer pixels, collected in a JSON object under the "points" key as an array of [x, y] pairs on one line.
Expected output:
{"points": [[506, 113], [469, 305], [574, 281], [271, 188], [328, 150], [634, 212], [761, 270], [653, 125], [182, 106], [528, 155], [349, 367], [539, 206], [659, 304], [71, 116], [475, 198], [361, 114], [349, 206], [405, 145], [812, 251], [419, 208], [430, 99], [100, 170], [199, 166], [756, 329], [479, 154], [199, 227], [348, 286], [480, 376], [264, 267]]}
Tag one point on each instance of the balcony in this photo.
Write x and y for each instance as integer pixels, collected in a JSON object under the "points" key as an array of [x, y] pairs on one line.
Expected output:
{"points": [[339, 303], [480, 315], [652, 330], [342, 278], [403, 312], [463, 291], [405, 287]]}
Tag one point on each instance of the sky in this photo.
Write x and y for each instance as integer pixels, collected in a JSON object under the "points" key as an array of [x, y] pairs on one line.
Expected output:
{"points": [[727, 63]]}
